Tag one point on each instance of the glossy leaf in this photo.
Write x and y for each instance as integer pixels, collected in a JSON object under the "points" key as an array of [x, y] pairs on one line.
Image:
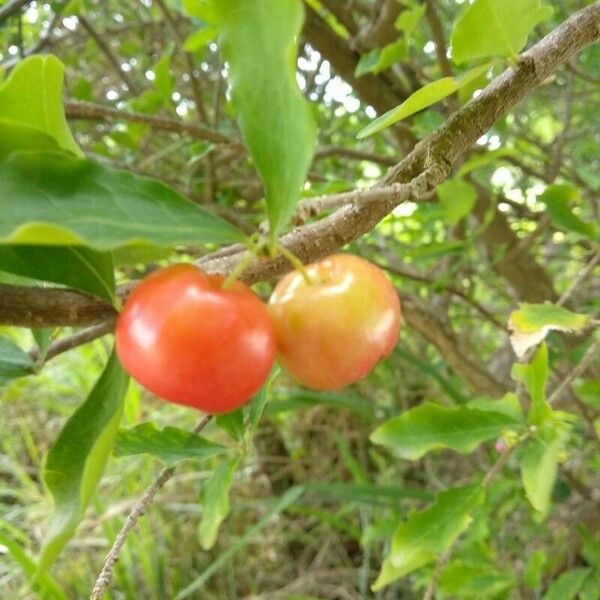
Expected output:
{"points": [[14, 362], [532, 323], [52, 198], [73, 266], [430, 427], [428, 533], [567, 586], [495, 28], [169, 444], [539, 466], [535, 377], [215, 502], [426, 96], [259, 40], [75, 462], [22, 102]]}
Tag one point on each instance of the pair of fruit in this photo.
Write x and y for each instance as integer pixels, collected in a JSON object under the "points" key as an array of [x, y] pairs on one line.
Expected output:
{"points": [[187, 338]]}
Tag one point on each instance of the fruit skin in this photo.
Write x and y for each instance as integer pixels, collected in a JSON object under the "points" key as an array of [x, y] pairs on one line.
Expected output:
{"points": [[334, 331], [189, 341]]}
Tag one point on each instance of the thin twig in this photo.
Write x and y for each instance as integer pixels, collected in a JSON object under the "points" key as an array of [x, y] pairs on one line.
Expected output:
{"points": [[138, 509], [580, 278]]}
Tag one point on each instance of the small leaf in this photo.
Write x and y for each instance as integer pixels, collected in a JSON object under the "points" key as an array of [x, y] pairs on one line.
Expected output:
{"points": [[215, 502], [53, 198], [75, 462], [198, 40], [259, 39], [409, 18], [163, 79], [495, 28], [22, 102], [535, 377], [43, 339], [560, 200], [426, 96], [589, 391], [232, 423], [14, 362], [567, 586], [76, 267], [457, 198], [430, 426], [169, 444], [380, 59], [257, 406], [428, 533], [539, 466], [532, 574], [532, 323], [464, 580]]}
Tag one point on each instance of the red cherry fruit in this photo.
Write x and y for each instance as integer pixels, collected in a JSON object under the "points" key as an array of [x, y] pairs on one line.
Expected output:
{"points": [[189, 341], [333, 331]]}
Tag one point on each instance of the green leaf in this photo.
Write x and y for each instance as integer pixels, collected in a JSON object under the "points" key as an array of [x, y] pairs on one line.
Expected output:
{"points": [[259, 40], [259, 402], [532, 322], [462, 579], [43, 339], [201, 9], [409, 18], [567, 586], [426, 96], [539, 466], [198, 40], [52, 198], [163, 80], [21, 99], [17, 136], [457, 199], [74, 266], [380, 59], [560, 201], [532, 574], [535, 377], [170, 444], [232, 423], [369, 494], [590, 546], [75, 462], [428, 533], [215, 502], [430, 427], [509, 405], [14, 362], [47, 586], [495, 28]]}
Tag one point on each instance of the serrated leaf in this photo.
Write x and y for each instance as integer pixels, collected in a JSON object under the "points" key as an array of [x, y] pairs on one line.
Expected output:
{"points": [[495, 28], [53, 198], [457, 199], [567, 586], [430, 427], [22, 102], [560, 200], [169, 444], [14, 362], [426, 96], [73, 266], [215, 502], [259, 40], [532, 323], [428, 533], [539, 466], [534, 376], [76, 460]]}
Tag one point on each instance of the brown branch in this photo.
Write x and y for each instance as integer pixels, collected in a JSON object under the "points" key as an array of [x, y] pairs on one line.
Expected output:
{"points": [[12, 7], [139, 508], [425, 167], [110, 55], [328, 151], [97, 112]]}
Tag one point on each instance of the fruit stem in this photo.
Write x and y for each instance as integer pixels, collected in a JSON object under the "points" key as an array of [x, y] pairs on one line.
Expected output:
{"points": [[253, 249], [296, 263]]}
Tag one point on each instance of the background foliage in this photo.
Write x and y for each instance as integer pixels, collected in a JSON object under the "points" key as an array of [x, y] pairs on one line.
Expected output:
{"points": [[450, 470]]}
